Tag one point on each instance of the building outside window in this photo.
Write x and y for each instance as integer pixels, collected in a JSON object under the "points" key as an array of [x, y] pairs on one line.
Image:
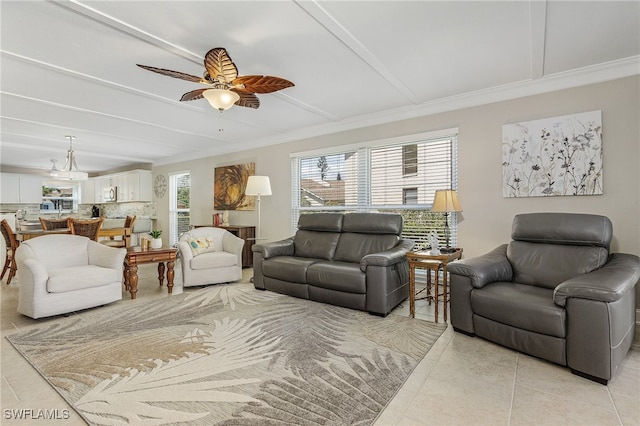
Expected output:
{"points": [[392, 176]]}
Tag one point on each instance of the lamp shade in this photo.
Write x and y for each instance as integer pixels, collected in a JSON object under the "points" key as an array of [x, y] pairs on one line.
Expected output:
{"points": [[258, 185], [446, 200], [221, 99]]}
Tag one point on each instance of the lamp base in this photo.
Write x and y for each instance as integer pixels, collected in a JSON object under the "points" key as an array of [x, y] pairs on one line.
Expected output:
{"points": [[447, 250]]}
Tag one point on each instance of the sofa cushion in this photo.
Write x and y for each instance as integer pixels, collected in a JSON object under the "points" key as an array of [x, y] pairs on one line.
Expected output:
{"points": [[547, 265], [201, 244], [521, 306], [78, 277], [314, 244], [217, 259], [353, 247], [340, 276], [288, 268]]}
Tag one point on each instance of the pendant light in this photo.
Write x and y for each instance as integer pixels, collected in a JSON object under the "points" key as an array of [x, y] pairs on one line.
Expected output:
{"points": [[70, 170]]}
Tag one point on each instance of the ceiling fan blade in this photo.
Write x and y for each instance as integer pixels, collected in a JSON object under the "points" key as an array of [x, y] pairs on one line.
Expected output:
{"points": [[174, 74], [248, 100], [220, 66], [261, 83], [193, 95]]}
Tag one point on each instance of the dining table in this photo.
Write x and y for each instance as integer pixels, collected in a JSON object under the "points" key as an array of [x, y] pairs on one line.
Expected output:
{"points": [[125, 233]]}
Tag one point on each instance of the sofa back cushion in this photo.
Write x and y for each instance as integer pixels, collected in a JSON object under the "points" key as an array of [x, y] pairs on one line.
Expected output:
{"points": [[58, 251], [550, 248], [353, 247], [547, 265], [372, 223], [315, 244]]}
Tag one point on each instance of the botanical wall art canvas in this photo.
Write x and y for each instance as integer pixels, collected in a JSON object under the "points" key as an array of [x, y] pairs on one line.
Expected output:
{"points": [[229, 185], [553, 156]]}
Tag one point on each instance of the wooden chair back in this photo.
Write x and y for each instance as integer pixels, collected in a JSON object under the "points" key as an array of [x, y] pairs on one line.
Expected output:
{"points": [[87, 228], [11, 243], [129, 221], [50, 224]]}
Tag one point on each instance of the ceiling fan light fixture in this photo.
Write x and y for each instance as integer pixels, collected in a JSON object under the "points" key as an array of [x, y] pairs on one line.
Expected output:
{"points": [[221, 99]]}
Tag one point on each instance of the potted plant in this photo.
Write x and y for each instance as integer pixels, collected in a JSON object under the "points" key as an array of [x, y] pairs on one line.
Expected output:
{"points": [[156, 241]]}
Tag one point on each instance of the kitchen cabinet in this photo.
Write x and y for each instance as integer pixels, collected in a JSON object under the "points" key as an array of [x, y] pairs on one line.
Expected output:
{"points": [[20, 189], [88, 192], [30, 189], [10, 185], [133, 186], [99, 184]]}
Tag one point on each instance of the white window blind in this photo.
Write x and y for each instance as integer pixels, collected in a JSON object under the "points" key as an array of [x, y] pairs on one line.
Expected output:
{"points": [[179, 205], [399, 177]]}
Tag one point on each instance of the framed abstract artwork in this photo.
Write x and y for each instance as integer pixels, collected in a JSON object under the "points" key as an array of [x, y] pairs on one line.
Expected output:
{"points": [[229, 183], [553, 156]]}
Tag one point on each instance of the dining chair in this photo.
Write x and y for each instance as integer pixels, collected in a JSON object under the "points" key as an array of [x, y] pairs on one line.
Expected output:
{"points": [[125, 240], [87, 228], [50, 224], [11, 246]]}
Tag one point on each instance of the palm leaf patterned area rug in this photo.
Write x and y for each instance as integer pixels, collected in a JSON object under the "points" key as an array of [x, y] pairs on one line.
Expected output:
{"points": [[227, 354]]}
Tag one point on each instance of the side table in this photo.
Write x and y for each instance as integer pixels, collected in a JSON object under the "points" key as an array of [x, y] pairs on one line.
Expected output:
{"points": [[137, 256], [431, 262]]}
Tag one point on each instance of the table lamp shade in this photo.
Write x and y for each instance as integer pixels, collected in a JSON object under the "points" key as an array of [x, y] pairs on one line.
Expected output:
{"points": [[446, 200], [258, 185]]}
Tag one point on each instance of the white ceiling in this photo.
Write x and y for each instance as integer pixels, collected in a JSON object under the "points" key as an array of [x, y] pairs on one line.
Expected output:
{"points": [[70, 68]]}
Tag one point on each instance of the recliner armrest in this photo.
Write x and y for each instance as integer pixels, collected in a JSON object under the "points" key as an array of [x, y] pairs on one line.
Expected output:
{"points": [[389, 257], [487, 268], [275, 248], [607, 284]]}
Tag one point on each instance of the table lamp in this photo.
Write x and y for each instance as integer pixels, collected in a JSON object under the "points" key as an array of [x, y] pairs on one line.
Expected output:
{"points": [[445, 201]]}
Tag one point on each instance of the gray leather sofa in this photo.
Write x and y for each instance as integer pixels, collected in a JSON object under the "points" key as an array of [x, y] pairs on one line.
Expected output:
{"points": [[355, 260], [554, 292]]}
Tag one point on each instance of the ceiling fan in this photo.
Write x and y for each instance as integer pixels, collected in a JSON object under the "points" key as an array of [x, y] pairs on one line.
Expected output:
{"points": [[226, 88]]}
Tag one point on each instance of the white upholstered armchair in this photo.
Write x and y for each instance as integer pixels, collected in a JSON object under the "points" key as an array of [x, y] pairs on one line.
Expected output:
{"points": [[210, 256], [65, 273]]}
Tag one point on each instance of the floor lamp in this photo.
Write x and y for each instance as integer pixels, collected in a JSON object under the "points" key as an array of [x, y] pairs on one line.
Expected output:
{"points": [[445, 201], [258, 185]]}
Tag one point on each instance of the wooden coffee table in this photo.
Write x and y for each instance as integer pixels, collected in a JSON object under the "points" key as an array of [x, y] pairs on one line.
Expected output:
{"points": [[137, 256]]}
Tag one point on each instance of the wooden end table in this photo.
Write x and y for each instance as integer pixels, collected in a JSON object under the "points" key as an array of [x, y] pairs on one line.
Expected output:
{"points": [[431, 262], [137, 256]]}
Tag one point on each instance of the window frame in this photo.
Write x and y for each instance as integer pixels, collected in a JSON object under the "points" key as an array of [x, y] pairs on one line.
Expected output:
{"points": [[418, 218], [174, 210]]}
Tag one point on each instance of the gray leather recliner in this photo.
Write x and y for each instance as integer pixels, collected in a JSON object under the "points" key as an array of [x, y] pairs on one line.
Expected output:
{"points": [[554, 292]]}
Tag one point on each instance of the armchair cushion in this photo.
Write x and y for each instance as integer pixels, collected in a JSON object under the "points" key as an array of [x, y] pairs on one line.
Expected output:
{"points": [[209, 260], [201, 245], [78, 277]]}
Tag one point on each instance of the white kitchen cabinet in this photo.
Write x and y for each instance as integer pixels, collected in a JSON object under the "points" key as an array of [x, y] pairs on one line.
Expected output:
{"points": [[20, 189], [99, 185], [31, 189], [10, 186], [133, 186], [88, 192]]}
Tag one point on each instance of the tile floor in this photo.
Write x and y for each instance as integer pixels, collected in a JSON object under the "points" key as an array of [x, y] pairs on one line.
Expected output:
{"points": [[461, 381]]}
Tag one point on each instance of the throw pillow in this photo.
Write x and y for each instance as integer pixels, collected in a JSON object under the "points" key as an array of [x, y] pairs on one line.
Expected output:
{"points": [[201, 245]]}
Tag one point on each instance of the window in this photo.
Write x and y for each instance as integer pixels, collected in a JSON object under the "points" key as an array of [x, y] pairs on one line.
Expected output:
{"points": [[394, 176], [410, 159], [410, 196], [179, 204], [58, 197]]}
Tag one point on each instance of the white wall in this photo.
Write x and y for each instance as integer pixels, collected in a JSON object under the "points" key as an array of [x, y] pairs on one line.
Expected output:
{"points": [[487, 216]]}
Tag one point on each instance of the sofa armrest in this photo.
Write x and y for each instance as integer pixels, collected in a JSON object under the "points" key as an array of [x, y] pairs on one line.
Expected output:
{"points": [[484, 269], [607, 284], [275, 248], [105, 256], [389, 257]]}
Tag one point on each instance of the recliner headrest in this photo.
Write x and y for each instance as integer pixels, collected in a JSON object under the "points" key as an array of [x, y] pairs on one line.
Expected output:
{"points": [[372, 223], [563, 228], [328, 222]]}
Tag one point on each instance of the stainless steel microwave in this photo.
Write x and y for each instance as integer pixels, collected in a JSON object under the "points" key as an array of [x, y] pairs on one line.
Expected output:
{"points": [[110, 194]]}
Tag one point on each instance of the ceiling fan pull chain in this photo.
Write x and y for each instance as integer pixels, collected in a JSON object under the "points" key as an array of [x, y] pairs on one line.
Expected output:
{"points": [[221, 128]]}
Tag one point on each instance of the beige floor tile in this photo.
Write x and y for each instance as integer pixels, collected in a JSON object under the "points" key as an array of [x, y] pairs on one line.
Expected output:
{"points": [[535, 407]]}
